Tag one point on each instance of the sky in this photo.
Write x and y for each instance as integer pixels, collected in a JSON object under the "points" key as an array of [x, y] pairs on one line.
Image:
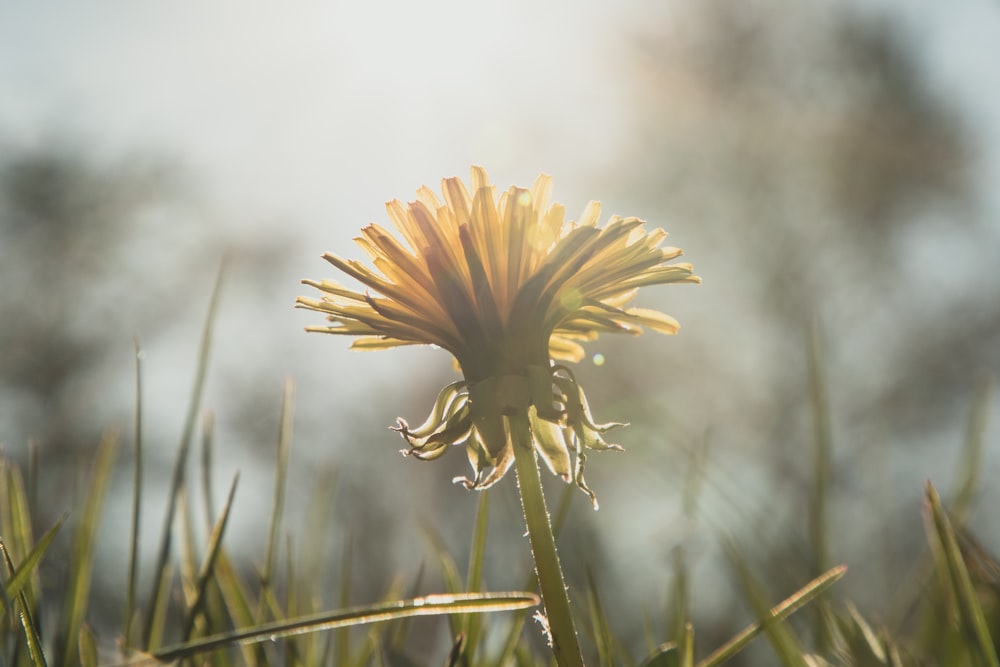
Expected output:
{"points": [[277, 107]]}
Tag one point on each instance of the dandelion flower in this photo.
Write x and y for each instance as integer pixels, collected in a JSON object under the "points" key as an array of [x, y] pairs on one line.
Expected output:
{"points": [[511, 290]]}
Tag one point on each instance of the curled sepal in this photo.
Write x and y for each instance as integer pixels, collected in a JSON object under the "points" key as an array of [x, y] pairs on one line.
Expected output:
{"points": [[480, 460], [581, 459], [454, 431], [578, 416], [479, 417], [489, 470], [551, 444], [445, 400], [450, 423]]}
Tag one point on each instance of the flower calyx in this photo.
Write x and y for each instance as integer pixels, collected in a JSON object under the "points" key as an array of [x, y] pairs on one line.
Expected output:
{"points": [[483, 416]]}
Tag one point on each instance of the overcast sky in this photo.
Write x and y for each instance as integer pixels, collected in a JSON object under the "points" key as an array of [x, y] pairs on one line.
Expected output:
{"points": [[320, 110]]}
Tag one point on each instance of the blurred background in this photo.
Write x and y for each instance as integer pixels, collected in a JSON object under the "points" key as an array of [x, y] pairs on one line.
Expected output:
{"points": [[827, 167]]}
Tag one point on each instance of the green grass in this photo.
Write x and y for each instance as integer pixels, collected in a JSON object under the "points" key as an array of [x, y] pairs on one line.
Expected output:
{"points": [[204, 608]]}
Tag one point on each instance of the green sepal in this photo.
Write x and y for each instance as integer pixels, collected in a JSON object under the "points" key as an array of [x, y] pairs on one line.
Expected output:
{"points": [[452, 431], [579, 418], [446, 398], [550, 443]]}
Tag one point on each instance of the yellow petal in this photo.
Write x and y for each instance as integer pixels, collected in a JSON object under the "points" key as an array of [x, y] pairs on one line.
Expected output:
{"points": [[655, 320]]}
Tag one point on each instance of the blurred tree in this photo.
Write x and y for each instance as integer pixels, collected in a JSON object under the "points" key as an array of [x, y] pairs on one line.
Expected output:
{"points": [[807, 148], [804, 158], [79, 279]]}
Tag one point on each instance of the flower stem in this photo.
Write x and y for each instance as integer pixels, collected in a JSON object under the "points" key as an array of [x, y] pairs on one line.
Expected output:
{"points": [[565, 644]]}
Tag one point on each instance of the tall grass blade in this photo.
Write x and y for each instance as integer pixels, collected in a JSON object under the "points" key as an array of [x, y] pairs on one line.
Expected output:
{"points": [[133, 549], [972, 621], [372, 651], [781, 638], [600, 628], [177, 480], [674, 654], [280, 477], [82, 554], [343, 641], [26, 568], [399, 630], [963, 491], [316, 531], [158, 608], [32, 485], [457, 650], [972, 452], [16, 532], [474, 580], [665, 655], [292, 608], [207, 450], [687, 646], [88, 648], [823, 438], [695, 478], [239, 605], [31, 636], [429, 605], [15, 512], [449, 572], [776, 614], [680, 598], [211, 554], [858, 641], [188, 549]]}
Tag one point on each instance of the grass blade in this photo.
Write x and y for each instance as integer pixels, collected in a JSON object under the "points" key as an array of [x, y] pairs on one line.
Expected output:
{"points": [[177, 480], [342, 646], [87, 648], [16, 513], [207, 441], [823, 436], [946, 549], [238, 603], [972, 452], [474, 581], [687, 647], [449, 571], [429, 605], [600, 628], [781, 638], [22, 575], [665, 655], [776, 614], [82, 555], [680, 598], [31, 636], [207, 567], [280, 477], [397, 638], [133, 553]]}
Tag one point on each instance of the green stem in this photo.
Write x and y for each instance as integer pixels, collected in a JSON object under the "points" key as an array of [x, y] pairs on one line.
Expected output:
{"points": [[565, 644]]}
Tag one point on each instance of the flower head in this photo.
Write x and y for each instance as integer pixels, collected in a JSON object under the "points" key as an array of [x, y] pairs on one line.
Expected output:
{"points": [[509, 288]]}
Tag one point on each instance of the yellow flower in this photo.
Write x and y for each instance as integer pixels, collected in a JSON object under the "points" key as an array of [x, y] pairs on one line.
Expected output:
{"points": [[508, 287]]}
